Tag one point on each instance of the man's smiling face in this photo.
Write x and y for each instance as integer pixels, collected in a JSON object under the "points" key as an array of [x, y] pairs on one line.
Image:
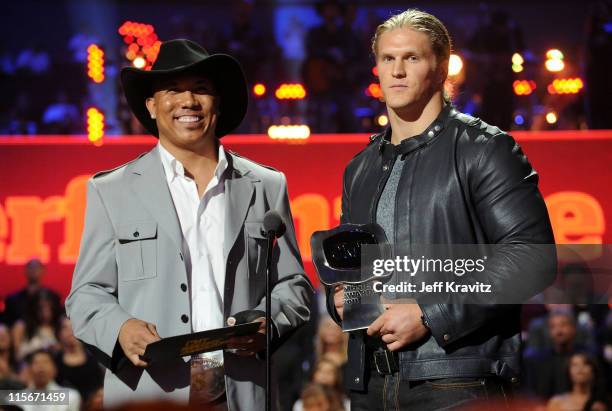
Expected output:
{"points": [[185, 107]]}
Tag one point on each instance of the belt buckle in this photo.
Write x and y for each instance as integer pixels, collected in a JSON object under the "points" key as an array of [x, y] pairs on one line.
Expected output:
{"points": [[207, 380], [385, 362]]}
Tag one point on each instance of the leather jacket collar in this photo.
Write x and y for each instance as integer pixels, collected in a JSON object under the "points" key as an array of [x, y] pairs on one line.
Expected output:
{"points": [[411, 144]]}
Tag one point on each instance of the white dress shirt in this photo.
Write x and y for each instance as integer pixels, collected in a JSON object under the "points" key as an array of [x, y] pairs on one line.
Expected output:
{"points": [[202, 223]]}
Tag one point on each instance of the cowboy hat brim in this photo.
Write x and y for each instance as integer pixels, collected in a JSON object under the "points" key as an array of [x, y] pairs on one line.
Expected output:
{"points": [[224, 71]]}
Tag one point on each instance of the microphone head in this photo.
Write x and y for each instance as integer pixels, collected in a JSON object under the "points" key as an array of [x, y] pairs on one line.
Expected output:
{"points": [[274, 222]]}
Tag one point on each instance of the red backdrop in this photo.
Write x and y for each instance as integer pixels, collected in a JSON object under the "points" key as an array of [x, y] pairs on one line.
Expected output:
{"points": [[42, 189]]}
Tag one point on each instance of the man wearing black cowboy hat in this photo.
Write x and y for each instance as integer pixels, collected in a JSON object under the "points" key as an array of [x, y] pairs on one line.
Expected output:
{"points": [[173, 241]]}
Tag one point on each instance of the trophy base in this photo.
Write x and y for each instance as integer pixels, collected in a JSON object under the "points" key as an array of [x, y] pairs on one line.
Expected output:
{"points": [[361, 307]]}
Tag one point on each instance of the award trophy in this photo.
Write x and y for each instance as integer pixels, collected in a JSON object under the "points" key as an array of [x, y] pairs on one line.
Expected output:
{"points": [[338, 257]]}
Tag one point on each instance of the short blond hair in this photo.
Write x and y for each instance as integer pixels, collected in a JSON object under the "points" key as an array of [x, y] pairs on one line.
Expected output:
{"points": [[419, 21]]}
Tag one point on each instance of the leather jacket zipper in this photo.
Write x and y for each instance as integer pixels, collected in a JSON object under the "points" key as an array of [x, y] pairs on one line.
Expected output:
{"points": [[381, 187]]}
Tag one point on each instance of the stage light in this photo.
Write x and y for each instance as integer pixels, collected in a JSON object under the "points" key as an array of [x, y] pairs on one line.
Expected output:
{"points": [[151, 53], [259, 89], [95, 124], [554, 60], [566, 86], [517, 62], [130, 28], [95, 63], [551, 117], [375, 71], [139, 62], [517, 59], [523, 87], [382, 120], [455, 65], [554, 65], [142, 43], [374, 91], [290, 92], [554, 54], [289, 132], [519, 120]]}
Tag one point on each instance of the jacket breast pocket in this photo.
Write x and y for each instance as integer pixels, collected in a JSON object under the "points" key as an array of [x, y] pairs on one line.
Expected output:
{"points": [[137, 255], [256, 249]]}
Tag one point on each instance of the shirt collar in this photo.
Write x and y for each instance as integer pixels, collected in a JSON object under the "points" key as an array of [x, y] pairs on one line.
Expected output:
{"points": [[174, 168], [222, 164]]}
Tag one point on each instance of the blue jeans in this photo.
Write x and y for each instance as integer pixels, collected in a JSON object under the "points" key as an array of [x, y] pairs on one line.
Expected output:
{"points": [[389, 393]]}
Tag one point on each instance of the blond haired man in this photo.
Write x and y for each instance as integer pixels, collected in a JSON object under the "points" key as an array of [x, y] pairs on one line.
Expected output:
{"points": [[437, 176]]}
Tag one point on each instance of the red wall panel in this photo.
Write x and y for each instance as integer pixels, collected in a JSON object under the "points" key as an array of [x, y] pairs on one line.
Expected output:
{"points": [[42, 188]]}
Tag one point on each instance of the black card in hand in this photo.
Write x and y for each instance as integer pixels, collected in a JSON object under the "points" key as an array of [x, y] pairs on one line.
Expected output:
{"points": [[196, 343]]}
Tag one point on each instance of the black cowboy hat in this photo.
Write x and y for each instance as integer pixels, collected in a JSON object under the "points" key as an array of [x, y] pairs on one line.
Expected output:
{"points": [[180, 56]]}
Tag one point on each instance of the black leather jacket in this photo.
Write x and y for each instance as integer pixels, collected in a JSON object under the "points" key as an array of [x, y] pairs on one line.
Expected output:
{"points": [[463, 182]]}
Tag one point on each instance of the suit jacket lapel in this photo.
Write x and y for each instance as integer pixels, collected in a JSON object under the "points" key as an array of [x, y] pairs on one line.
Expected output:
{"points": [[238, 194], [148, 181]]}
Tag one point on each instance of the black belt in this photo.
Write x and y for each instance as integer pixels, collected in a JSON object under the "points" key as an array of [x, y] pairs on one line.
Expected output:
{"points": [[385, 362]]}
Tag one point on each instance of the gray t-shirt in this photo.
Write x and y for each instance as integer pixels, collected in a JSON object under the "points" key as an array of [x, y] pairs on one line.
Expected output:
{"points": [[385, 212]]}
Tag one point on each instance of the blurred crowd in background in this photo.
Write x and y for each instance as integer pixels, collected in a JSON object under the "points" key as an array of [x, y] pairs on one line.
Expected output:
{"points": [[567, 353], [323, 46]]}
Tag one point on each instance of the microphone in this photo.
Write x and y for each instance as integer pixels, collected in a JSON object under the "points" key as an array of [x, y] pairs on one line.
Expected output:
{"points": [[273, 223]]}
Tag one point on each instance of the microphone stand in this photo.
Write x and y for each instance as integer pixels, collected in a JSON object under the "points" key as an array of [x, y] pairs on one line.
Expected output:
{"points": [[274, 227], [271, 235]]}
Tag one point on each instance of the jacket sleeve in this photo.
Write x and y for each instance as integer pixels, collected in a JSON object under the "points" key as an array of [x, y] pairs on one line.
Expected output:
{"points": [[344, 218], [503, 188], [92, 304], [293, 293]]}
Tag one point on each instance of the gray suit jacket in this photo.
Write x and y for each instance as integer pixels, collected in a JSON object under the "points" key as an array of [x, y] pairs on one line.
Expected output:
{"points": [[130, 266]]}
